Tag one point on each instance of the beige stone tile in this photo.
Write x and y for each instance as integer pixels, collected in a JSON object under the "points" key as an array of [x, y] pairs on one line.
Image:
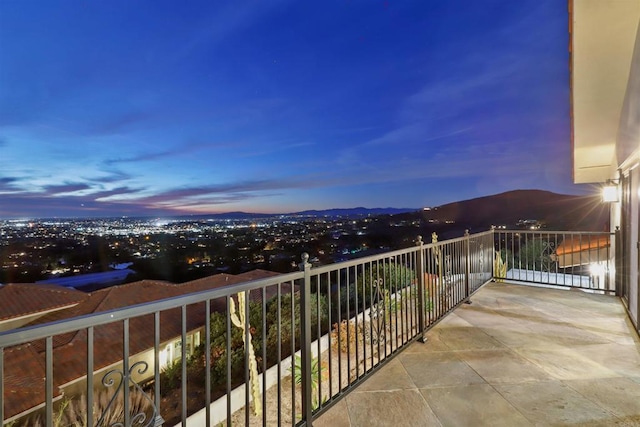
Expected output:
{"points": [[474, 405], [393, 376], [337, 416], [438, 369], [453, 320], [553, 403], [481, 316], [622, 359], [503, 366], [390, 408], [565, 334], [498, 301], [566, 364], [613, 329], [460, 338], [432, 343], [620, 396], [522, 338]]}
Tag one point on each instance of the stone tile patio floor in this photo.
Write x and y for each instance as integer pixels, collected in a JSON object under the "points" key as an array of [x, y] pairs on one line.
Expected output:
{"points": [[517, 356]]}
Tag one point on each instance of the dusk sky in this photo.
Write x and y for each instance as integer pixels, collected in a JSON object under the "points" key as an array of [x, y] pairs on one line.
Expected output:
{"points": [[112, 108]]}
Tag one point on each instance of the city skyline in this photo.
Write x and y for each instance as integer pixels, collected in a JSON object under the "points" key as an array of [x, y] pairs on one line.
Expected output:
{"points": [[115, 109]]}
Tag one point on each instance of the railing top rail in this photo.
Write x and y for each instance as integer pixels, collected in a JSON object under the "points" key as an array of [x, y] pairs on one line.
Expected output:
{"points": [[27, 334], [566, 233], [371, 258], [461, 238], [399, 252]]}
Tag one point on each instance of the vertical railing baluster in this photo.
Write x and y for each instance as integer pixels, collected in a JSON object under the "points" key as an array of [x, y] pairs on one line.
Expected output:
{"points": [[156, 343], [356, 315], [279, 349], [399, 279], [183, 356], [264, 356], [2, 385], [338, 329], [318, 320], [305, 345], [372, 298], [294, 329], [348, 324], [329, 317], [247, 374], [421, 289], [318, 340], [49, 380], [228, 350], [207, 360], [125, 370], [89, 376]]}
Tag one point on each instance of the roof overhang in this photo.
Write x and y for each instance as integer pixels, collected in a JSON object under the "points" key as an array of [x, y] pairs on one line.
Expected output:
{"points": [[602, 39]]}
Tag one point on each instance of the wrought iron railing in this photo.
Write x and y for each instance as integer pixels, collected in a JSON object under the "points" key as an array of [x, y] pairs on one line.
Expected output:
{"points": [[581, 260], [275, 351]]}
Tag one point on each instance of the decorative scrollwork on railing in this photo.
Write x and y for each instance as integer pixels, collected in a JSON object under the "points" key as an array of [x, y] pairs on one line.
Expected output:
{"points": [[448, 275], [144, 412], [537, 255], [377, 311], [546, 257]]}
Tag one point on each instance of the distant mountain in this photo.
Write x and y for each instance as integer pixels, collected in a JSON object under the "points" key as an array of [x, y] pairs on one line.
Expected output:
{"points": [[556, 211], [348, 212], [360, 211]]}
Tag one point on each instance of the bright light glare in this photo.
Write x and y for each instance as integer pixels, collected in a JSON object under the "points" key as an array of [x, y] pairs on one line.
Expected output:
{"points": [[610, 193], [597, 269]]}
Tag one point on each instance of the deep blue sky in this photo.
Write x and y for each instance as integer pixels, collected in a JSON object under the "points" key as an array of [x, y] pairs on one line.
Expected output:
{"points": [[136, 108]]}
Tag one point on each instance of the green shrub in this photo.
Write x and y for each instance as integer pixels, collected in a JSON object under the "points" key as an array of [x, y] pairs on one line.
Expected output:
{"points": [[371, 285]]}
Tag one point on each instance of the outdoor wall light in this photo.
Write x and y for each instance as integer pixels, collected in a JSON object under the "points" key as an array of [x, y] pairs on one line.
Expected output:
{"points": [[610, 192]]}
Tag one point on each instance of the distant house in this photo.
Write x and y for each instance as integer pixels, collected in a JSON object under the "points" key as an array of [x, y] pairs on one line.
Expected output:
{"points": [[101, 280], [24, 365]]}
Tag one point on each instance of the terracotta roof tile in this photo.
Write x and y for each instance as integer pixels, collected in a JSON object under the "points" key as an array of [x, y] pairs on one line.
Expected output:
{"points": [[571, 245], [21, 299], [23, 380]]}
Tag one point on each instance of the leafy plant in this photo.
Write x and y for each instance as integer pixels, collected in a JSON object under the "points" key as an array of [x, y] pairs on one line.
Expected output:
{"points": [[108, 409], [371, 283], [290, 322], [317, 370], [171, 376]]}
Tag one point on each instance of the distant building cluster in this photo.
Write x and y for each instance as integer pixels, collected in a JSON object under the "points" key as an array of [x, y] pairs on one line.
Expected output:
{"points": [[53, 250]]}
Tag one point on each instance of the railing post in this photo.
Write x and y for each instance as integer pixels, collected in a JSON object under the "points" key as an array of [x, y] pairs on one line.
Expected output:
{"points": [[617, 262], [467, 266], [494, 250], [421, 288], [305, 344]]}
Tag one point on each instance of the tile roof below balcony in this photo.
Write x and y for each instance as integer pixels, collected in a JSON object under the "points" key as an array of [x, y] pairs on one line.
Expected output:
{"points": [[517, 356]]}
